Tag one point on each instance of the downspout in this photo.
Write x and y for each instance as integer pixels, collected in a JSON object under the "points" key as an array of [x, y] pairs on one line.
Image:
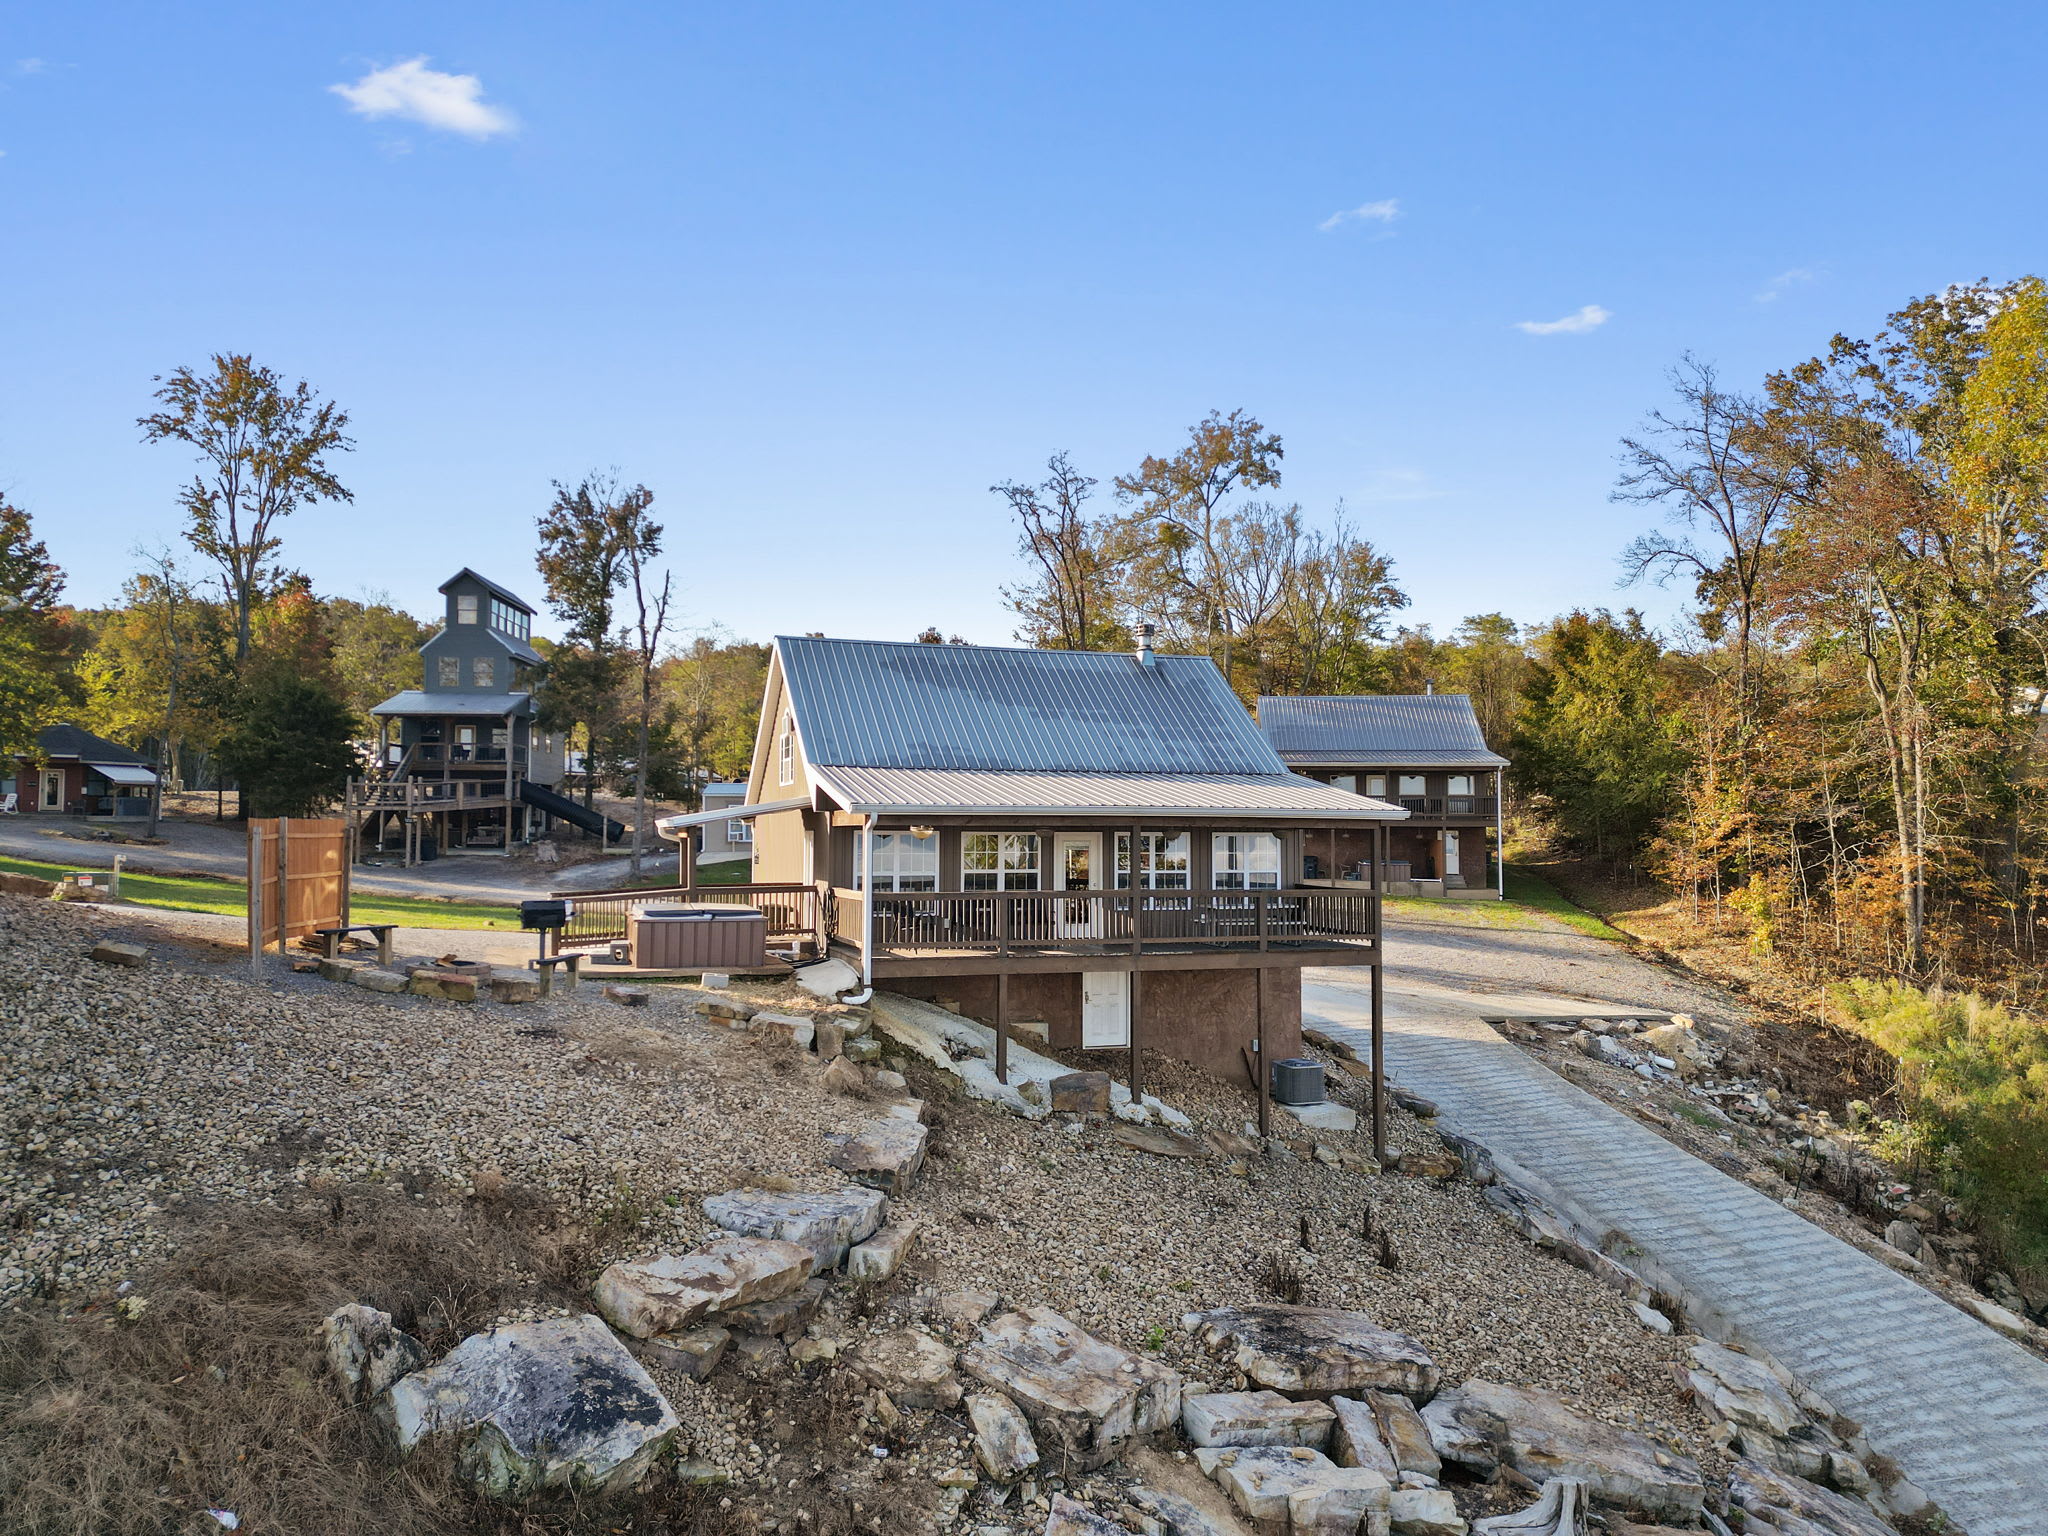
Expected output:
{"points": [[867, 917], [1500, 835]]}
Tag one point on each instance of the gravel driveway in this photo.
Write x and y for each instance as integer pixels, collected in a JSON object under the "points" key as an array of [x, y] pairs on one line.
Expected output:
{"points": [[1961, 1409]]}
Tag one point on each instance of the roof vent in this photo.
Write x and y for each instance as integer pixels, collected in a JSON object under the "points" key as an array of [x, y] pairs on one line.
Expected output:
{"points": [[1144, 649], [1430, 686]]}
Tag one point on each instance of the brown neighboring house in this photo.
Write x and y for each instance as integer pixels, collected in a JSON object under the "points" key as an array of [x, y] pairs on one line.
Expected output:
{"points": [[1103, 842], [1425, 753], [75, 773]]}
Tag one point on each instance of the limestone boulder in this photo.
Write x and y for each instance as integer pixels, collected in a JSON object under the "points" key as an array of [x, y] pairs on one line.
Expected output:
{"points": [[1159, 1141], [1355, 1439], [371, 979], [1080, 1093], [1255, 1418], [558, 1404], [1080, 1392], [1299, 1490], [785, 1317], [1482, 1424], [1003, 1442], [1793, 1506], [108, 952], [515, 989], [1177, 1516], [826, 1224], [961, 1312], [915, 1369], [792, 1029], [1742, 1390], [1071, 1519], [367, 1351], [1404, 1434], [1311, 1351], [1425, 1512], [885, 1154], [882, 1255], [694, 1354], [670, 1292]]}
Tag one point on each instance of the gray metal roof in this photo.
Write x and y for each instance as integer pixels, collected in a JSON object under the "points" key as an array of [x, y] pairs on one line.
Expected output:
{"points": [[882, 704], [418, 701], [956, 792], [75, 741], [1378, 730], [492, 587]]}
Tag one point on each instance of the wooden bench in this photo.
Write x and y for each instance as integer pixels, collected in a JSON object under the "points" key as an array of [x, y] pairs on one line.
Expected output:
{"points": [[330, 939], [546, 965]]}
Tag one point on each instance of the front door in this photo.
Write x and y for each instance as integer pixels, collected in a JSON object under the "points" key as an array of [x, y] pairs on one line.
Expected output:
{"points": [[1452, 864], [1076, 862], [1105, 1010], [53, 790]]}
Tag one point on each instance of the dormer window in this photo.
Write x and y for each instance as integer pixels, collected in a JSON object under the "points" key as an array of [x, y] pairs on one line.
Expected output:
{"points": [[509, 621], [465, 608]]}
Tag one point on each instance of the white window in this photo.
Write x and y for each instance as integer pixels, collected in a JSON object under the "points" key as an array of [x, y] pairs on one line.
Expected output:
{"points": [[999, 861], [1413, 784], [1162, 863], [1348, 782], [465, 608], [481, 672], [1376, 785], [448, 671], [785, 754], [1247, 861], [739, 830], [905, 863], [1460, 784]]}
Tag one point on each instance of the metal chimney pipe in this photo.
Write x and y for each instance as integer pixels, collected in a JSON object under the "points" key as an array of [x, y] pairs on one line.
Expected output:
{"points": [[1144, 650]]}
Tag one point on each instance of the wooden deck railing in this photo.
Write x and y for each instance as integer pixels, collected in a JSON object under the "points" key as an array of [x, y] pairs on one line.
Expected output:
{"points": [[1024, 922], [598, 917]]}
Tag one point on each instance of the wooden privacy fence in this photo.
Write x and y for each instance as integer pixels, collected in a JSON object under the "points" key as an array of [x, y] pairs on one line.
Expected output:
{"points": [[298, 879]]}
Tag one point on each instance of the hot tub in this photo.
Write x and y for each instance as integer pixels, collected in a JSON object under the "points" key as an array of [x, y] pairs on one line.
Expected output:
{"points": [[698, 938]]}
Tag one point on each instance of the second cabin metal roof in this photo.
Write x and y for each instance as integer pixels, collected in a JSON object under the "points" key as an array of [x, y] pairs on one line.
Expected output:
{"points": [[884, 704], [1378, 730]]}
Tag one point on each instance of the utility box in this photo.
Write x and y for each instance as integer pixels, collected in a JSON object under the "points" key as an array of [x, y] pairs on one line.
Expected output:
{"points": [[1298, 1080], [703, 938]]}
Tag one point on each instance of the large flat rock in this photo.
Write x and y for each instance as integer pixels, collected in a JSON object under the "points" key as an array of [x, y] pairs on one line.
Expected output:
{"points": [[533, 1406], [826, 1223], [1482, 1423], [1080, 1392], [1795, 1507], [885, 1154], [1311, 1351], [671, 1291], [1255, 1418], [1299, 1490], [915, 1369]]}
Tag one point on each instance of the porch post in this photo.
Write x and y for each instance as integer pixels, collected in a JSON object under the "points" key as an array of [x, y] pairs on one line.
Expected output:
{"points": [[1003, 1028], [1379, 956], [509, 749], [1137, 945], [686, 858]]}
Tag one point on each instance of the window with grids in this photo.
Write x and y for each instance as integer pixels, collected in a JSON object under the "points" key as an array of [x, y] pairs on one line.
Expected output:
{"points": [[905, 863], [482, 674], [999, 861], [1247, 861], [785, 755], [507, 620], [465, 608], [1162, 861], [448, 671], [739, 830]]}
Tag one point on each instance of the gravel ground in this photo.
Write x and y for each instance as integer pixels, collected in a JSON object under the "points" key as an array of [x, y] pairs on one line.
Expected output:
{"points": [[132, 1094]]}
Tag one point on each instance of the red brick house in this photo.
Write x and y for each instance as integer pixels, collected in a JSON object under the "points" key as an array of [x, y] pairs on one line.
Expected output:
{"points": [[75, 773]]}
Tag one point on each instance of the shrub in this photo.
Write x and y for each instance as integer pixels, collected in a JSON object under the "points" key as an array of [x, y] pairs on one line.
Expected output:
{"points": [[1973, 1083]]}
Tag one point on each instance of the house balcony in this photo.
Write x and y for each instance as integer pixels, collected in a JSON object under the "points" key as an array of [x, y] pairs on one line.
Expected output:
{"points": [[962, 932], [1448, 807]]}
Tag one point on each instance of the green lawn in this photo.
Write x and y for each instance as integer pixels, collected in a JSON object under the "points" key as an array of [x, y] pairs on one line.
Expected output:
{"points": [[1530, 899], [196, 893]]}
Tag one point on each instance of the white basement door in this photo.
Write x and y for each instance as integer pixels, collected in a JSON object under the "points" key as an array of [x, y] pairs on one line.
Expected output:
{"points": [[1105, 1009]]}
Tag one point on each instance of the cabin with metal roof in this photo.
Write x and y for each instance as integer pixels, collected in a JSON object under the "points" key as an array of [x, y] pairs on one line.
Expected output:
{"points": [[462, 765], [1424, 752], [1103, 845], [73, 772]]}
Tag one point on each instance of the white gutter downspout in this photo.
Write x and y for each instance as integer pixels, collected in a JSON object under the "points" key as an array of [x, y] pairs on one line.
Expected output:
{"points": [[867, 916]]}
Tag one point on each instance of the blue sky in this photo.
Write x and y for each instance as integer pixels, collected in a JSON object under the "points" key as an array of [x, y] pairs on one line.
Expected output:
{"points": [[819, 275]]}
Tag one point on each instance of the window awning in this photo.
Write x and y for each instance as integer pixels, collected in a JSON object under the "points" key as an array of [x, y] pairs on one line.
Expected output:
{"points": [[123, 773], [672, 827]]}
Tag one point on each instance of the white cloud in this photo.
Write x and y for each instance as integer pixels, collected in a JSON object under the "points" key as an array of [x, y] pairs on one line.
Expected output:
{"points": [[1775, 288], [1385, 211], [418, 94], [31, 66], [1587, 317]]}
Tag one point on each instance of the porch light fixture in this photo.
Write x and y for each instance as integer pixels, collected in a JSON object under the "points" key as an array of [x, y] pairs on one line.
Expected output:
{"points": [[922, 834]]}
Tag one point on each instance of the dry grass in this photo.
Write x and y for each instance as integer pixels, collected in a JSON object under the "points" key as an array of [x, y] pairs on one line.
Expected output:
{"points": [[212, 1393]]}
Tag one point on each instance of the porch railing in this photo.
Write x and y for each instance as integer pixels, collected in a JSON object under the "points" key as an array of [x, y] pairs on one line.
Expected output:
{"points": [[1448, 805], [1024, 922], [598, 917]]}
